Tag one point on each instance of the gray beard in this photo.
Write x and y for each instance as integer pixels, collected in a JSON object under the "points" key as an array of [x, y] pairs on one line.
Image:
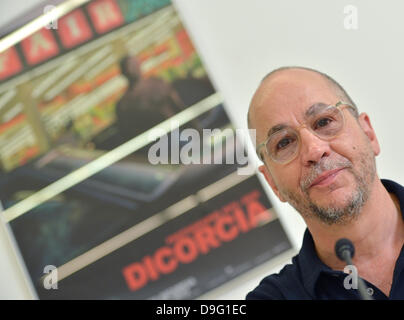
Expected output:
{"points": [[333, 214]]}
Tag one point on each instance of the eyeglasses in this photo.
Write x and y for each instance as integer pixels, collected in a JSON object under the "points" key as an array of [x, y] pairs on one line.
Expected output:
{"points": [[326, 122]]}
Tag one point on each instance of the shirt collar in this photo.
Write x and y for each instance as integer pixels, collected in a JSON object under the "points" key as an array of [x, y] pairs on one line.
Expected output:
{"points": [[310, 264], [398, 190]]}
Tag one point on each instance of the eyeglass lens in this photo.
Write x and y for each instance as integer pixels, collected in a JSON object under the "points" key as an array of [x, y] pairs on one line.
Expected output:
{"points": [[326, 124]]}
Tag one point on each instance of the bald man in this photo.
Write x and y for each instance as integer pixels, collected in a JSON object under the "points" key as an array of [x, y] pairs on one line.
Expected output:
{"points": [[318, 155]]}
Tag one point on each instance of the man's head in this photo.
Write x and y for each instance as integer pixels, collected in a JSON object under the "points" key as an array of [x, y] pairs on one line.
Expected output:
{"points": [[285, 97], [130, 68]]}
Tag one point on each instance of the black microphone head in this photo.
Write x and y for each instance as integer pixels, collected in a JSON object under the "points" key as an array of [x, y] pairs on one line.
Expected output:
{"points": [[341, 246]]}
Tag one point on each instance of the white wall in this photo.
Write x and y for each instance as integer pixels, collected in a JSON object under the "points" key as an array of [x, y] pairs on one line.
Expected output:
{"points": [[242, 40], [14, 283], [10, 10]]}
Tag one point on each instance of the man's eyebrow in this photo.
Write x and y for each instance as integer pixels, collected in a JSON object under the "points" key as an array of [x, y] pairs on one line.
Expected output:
{"points": [[314, 108], [309, 112], [276, 128]]}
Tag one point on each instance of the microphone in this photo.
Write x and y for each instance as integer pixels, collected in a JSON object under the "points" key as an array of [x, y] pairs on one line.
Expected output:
{"points": [[345, 250]]}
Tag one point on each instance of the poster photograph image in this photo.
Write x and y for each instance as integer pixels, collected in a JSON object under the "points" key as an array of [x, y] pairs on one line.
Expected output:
{"points": [[93, 119]]}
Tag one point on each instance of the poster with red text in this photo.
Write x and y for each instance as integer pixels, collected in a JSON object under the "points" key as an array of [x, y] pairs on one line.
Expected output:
{"points": [[171, 216]]}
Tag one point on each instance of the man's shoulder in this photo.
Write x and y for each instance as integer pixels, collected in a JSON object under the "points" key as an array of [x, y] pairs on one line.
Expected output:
{"points": [[287, 284]]}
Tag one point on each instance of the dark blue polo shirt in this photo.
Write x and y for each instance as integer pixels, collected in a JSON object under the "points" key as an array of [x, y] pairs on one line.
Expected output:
{"points": [[309, 278]]}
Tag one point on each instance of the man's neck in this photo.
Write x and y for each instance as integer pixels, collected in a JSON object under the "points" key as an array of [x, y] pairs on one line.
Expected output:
{"points": [[378, 231]]}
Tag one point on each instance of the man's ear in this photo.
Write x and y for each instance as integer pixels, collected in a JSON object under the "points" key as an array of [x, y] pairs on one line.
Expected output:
{"points": [[367, 128], [268, 177]]}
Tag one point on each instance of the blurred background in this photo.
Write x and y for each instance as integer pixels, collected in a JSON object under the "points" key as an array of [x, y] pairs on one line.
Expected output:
{"points": [[77, 91]]}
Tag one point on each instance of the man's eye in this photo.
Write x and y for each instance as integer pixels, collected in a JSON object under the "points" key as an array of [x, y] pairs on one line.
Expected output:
{"points": [[323, 122], [283, 143]]}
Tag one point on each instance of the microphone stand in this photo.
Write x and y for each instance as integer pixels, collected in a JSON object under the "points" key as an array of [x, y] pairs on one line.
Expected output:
{"points": [[361, 284], [345, 250]]}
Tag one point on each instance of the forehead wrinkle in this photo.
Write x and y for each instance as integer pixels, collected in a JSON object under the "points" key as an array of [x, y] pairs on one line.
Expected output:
{"points": [[276, 90]]}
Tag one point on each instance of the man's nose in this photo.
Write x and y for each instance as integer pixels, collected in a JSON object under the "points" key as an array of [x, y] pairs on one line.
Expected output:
{"points": [[312, 147]]}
